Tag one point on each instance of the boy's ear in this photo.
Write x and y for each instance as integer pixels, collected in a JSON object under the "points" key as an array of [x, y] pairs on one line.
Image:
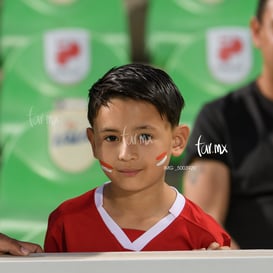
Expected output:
{"points": [[91, 138], [180, 138]]}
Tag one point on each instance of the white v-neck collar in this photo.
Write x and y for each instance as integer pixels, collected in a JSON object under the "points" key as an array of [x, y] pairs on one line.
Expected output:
{"points": [[148, 235]]}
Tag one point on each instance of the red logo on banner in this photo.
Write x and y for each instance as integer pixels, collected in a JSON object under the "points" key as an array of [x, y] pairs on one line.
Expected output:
{"points": [[65, 54], [229, 53], [230, 48]]}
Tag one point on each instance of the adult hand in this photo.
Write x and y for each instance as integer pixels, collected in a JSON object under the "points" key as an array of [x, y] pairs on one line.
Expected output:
{"points": [[217, 246], [14, 247]]}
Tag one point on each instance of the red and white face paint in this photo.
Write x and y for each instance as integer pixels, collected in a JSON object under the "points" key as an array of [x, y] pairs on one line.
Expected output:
{"points": [[161, 159], [106, 167]]}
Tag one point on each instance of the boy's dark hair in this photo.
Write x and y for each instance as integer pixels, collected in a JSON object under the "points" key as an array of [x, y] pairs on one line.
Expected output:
{"points": [[137, 82], [261, 6]]}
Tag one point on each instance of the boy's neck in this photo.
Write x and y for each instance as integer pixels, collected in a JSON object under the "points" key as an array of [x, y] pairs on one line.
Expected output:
{"points": [[139, 210]]}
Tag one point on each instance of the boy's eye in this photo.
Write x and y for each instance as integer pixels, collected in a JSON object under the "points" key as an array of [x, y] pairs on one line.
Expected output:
{"points": [[145, 138], [111, 138]]}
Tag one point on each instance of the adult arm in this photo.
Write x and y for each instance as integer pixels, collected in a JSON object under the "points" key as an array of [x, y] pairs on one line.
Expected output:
{"points": [[207, 184], [207, 179]]}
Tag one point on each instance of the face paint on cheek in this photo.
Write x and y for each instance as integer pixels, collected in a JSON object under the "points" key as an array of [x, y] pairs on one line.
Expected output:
{"points": [[107, 167], [161, 159]]}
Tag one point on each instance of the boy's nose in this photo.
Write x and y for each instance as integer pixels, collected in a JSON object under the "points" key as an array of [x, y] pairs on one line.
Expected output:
{"points": [[127, 151]]}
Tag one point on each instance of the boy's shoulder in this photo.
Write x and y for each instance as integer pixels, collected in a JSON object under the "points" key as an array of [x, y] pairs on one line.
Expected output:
{"points": [[197, 217], [203, 225], [75, 204]]}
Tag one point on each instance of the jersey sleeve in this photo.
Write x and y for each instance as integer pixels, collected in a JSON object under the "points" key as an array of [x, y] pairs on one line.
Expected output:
{"points": [[53, 239], [208, 139], [204, 230]]}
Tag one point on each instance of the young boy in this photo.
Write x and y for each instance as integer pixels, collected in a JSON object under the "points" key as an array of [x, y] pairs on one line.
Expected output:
{"points": [[134, 113]]}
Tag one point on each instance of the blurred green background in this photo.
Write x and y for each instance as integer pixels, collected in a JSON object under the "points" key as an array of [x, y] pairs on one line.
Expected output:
{"points": [[51, 53]]}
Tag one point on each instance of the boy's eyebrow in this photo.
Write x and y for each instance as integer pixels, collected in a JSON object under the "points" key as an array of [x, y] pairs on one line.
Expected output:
{"points": [[113, 130], [143, 127], [106, 129]]}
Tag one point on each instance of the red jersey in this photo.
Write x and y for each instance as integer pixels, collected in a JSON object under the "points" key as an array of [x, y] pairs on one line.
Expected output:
{"points": [[82, 224]]}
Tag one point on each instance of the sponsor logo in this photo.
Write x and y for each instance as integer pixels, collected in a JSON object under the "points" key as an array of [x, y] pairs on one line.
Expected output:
{"points": [[229, 53], [66, 55], [68, 144]]}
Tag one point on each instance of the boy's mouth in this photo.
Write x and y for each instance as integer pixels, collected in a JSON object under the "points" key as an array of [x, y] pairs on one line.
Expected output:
{"points": [[129, 172]]}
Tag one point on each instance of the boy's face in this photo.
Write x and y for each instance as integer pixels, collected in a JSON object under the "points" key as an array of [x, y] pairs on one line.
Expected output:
{"points": [[134, 143]]}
